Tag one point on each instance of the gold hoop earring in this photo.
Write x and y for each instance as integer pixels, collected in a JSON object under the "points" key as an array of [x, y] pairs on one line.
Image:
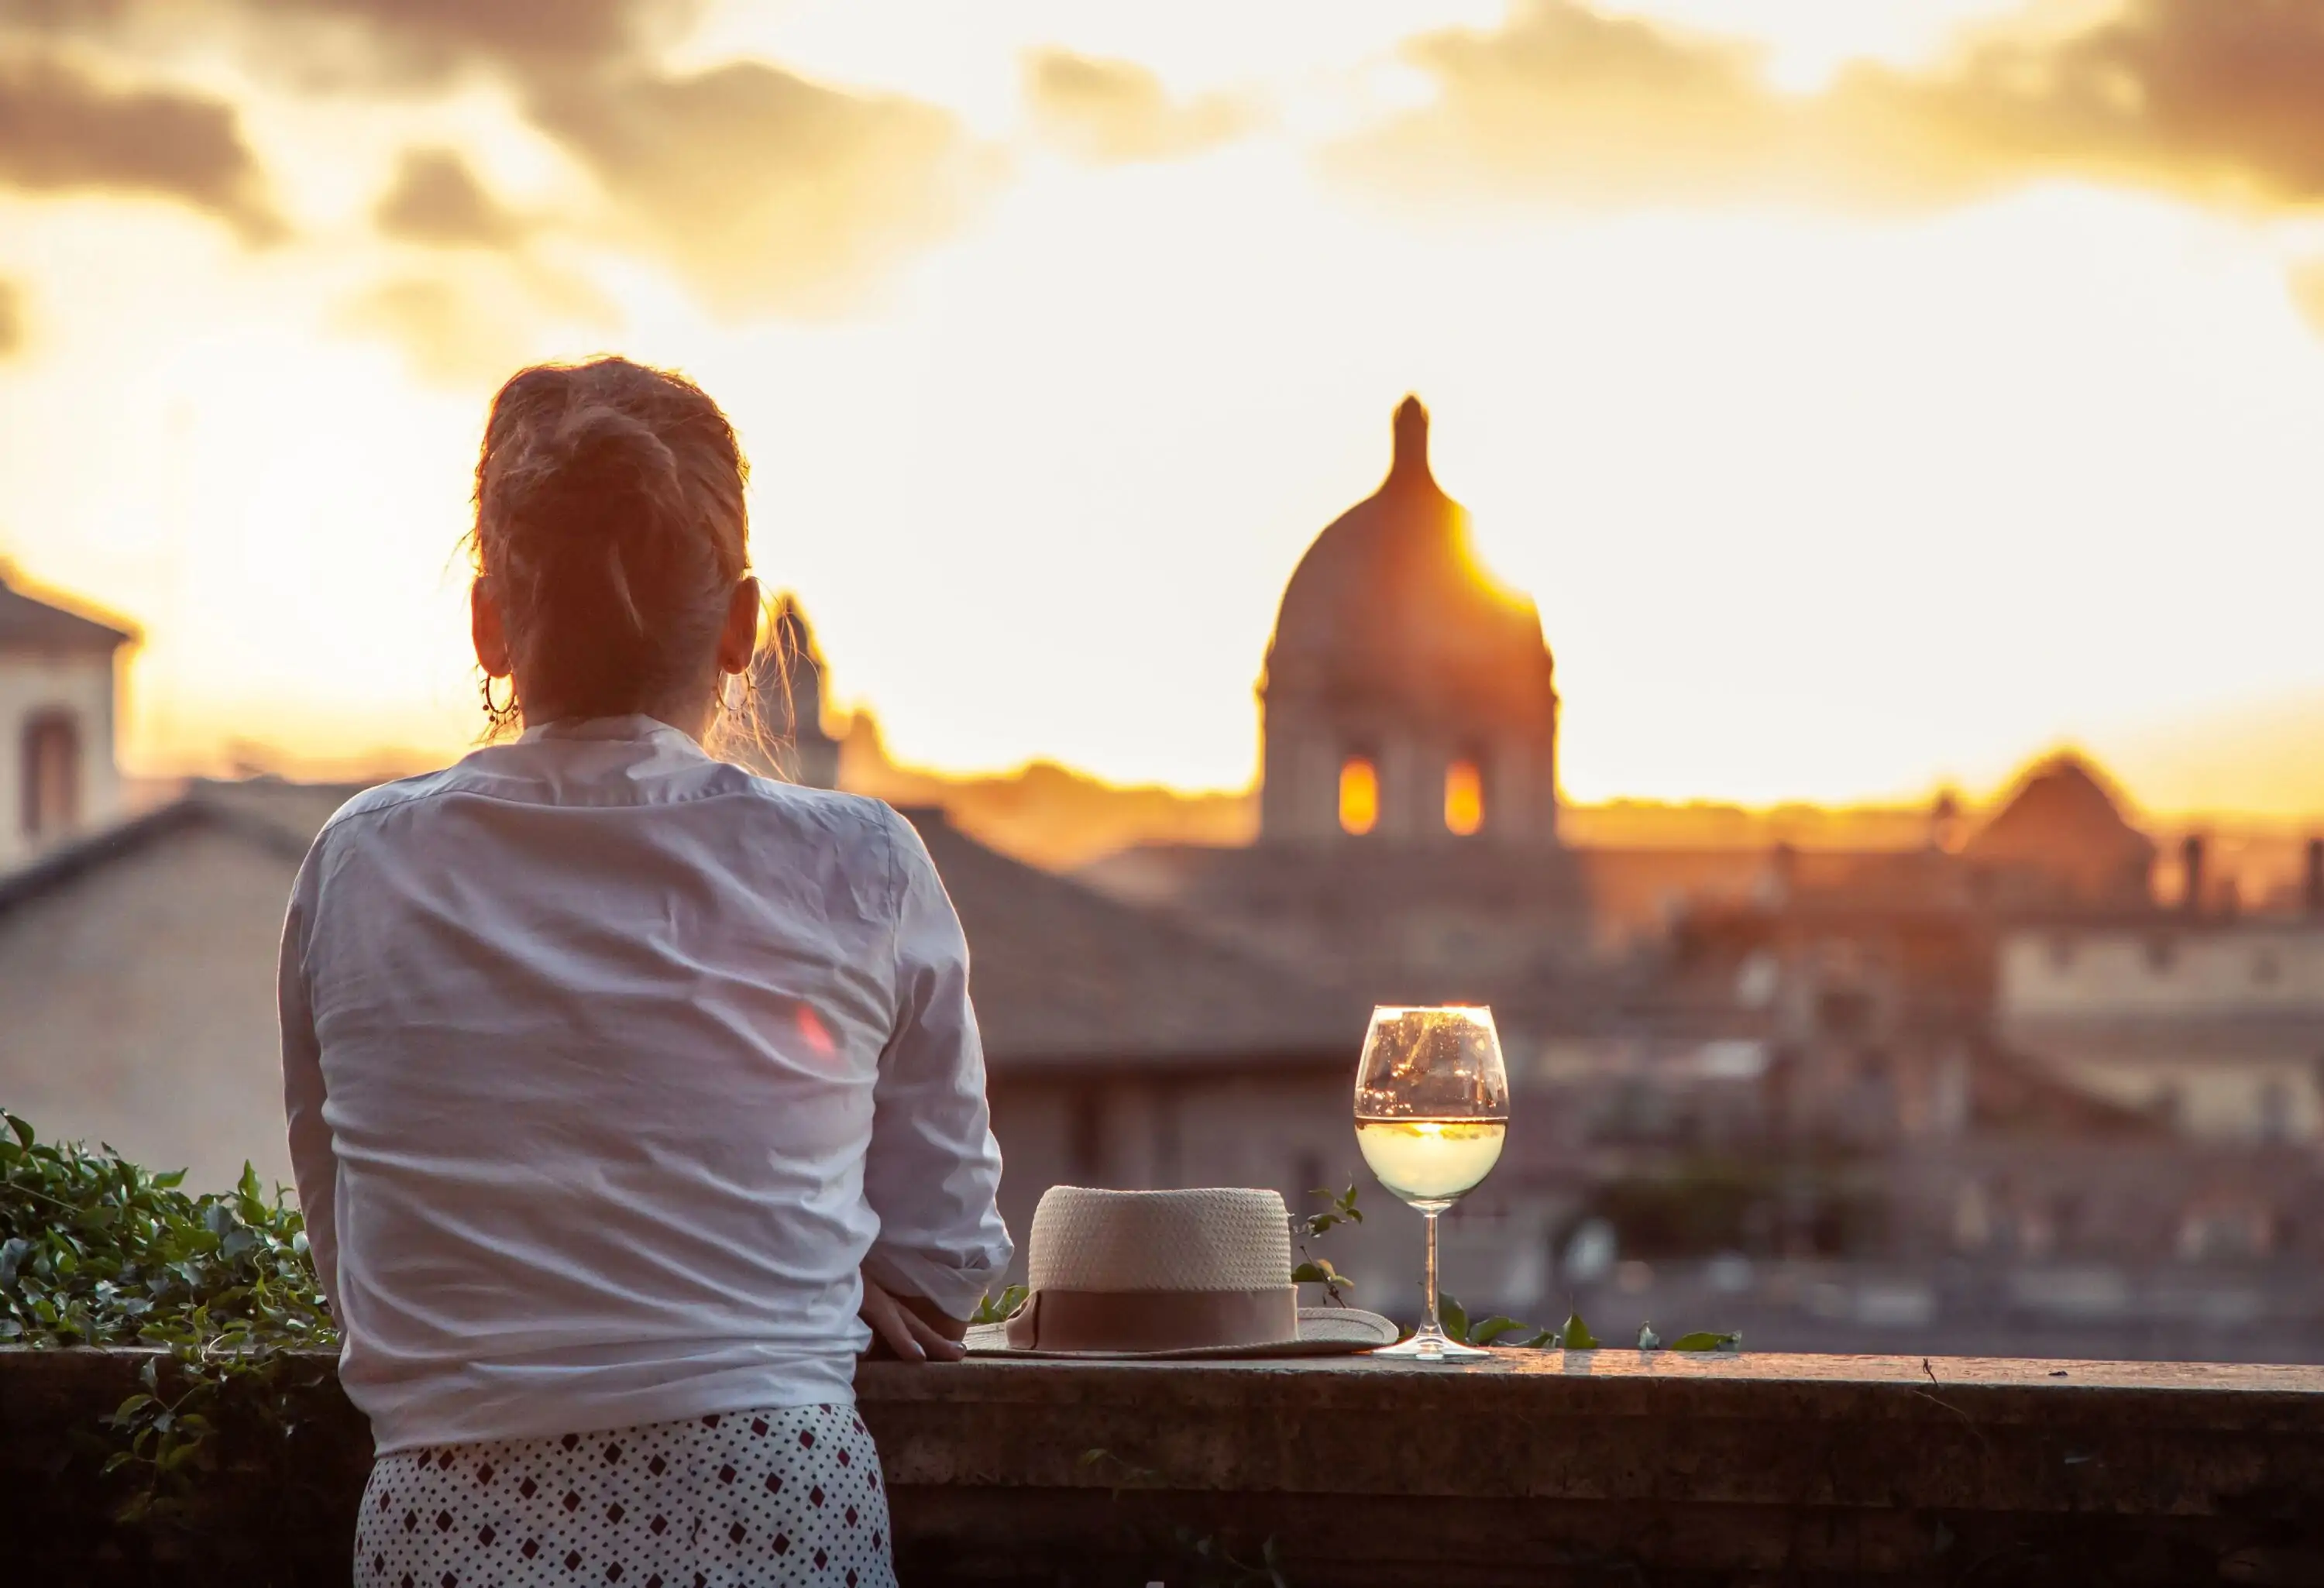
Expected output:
{"points": [[497, 713], [735, 707]]}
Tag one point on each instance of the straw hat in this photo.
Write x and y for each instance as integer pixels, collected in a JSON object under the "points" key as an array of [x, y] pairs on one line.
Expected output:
{"points": [[1168, 1274]]}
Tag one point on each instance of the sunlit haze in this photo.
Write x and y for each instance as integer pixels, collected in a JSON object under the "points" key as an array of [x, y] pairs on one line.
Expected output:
{"points": [[1861, 419]]}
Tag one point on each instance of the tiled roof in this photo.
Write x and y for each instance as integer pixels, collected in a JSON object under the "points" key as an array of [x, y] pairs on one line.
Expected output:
{"points": [[280, 817], [1061, 972], [29, 624]]}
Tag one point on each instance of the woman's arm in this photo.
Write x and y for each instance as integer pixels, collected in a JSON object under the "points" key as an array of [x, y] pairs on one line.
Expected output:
{"points": [[313, 1164], [933, 1170]]}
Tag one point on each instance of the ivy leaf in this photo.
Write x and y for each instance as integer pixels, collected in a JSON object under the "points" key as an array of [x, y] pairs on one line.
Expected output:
{"points": [[1454, 1317], [993, 1310], [1575, 1336], [1492, 1329], [1342, 1211], [1704, 1340], [1320, 1272]]}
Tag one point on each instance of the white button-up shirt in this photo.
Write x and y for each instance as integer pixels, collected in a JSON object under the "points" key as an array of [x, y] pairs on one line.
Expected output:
{"points": [[607, 1066]]}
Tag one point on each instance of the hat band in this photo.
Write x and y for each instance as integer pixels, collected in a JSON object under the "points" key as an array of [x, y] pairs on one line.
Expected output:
{"points": [[1154, 1320]]}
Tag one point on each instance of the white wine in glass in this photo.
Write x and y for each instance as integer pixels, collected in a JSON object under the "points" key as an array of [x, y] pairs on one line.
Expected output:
{"points": [[1432, 1110]]}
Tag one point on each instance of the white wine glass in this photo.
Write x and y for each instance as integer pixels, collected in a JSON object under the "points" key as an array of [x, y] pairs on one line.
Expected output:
{"points": [[1432, 1108]]}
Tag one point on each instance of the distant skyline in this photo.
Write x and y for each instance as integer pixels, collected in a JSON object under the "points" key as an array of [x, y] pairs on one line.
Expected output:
{"points": [[1872, 398]]}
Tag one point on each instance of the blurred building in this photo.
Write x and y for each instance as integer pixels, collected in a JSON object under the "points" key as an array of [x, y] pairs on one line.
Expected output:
{"points": [[2061, 840], [786, 691], [2212, 1022], [137, 979], [58, 689]]}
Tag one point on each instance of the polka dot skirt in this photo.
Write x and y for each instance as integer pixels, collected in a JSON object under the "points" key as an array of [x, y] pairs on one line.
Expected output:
{"points": [[735, 1500]]}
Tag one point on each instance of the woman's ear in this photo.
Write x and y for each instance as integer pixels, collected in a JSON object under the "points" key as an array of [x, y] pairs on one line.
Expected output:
{"points": [[486, 628], [738, 641]]}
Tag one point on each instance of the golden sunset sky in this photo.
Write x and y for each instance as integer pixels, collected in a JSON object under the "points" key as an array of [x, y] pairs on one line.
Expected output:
{"points": [[1871, 394]]}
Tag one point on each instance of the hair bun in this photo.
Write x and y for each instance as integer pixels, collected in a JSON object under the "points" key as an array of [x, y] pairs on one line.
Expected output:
{"points": [[610, 517]]}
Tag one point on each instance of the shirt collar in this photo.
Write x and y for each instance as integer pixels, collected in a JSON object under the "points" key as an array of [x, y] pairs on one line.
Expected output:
{"points": [[636, 727]]}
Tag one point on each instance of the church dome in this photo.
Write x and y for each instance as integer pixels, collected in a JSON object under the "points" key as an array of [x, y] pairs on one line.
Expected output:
{"points": [[1389, 606], [2063, 823]]}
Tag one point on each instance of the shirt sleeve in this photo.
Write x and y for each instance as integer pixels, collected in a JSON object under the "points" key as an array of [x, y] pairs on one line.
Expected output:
{"points": [[934, 1171], [313, 1163]]}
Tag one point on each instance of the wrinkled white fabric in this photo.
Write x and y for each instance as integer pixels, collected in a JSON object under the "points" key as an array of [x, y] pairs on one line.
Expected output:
{"points": [[607, 1066]]}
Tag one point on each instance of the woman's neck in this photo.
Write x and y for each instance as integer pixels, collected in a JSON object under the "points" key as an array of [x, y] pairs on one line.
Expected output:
{"points": [[692, 720]]}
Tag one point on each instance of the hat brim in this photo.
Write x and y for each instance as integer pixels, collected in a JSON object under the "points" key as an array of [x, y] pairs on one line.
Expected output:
{"points": [[1324, 1331]]}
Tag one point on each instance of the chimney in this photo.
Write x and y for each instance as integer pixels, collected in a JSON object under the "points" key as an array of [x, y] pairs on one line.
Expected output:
{"points": [[2312, 891], [2190, 873]]}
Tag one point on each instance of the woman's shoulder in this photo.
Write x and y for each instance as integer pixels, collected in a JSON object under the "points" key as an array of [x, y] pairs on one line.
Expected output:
{"points": [[809, 808], [384, 797], [877, 828]]}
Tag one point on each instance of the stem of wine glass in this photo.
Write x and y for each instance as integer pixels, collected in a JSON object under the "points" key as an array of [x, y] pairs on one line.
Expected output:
{"points": [[1431, 1328]]}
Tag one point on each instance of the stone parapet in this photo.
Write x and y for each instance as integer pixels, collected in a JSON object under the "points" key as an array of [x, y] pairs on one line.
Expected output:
{"points": [[1537, 1467]]}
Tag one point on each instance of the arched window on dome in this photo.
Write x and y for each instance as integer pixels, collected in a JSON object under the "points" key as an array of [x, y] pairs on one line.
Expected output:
{"points": [[1465, 797], [1359, 795]]}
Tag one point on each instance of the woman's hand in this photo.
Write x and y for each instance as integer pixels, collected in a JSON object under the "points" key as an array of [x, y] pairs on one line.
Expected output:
{"points": [[910, 1327]]}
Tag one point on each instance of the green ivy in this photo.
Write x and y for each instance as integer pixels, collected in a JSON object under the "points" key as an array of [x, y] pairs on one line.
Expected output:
{"points": [[1341, 1209], [1573, 1334], [96, 1250], [1000, 1308]]}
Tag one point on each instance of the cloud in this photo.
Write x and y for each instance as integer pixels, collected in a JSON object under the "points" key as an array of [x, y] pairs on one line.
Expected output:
{"points": [[1563, 99], [436, 199], [347, 44], [765, 189], [1115, 112], [448, 337], [12, 318], [2220, 100], [418, 45], [62, 131], [2306, 283]]}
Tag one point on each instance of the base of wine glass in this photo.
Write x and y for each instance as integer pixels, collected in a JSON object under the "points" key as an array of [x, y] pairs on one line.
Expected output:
{"points": [[1433, 1345]]}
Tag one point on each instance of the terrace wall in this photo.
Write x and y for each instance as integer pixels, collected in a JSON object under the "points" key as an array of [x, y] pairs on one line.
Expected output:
{"points": [[1547, 1467]]}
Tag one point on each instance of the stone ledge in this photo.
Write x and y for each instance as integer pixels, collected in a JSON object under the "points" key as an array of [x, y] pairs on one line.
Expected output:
{"points": [[1535, 1467]]}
